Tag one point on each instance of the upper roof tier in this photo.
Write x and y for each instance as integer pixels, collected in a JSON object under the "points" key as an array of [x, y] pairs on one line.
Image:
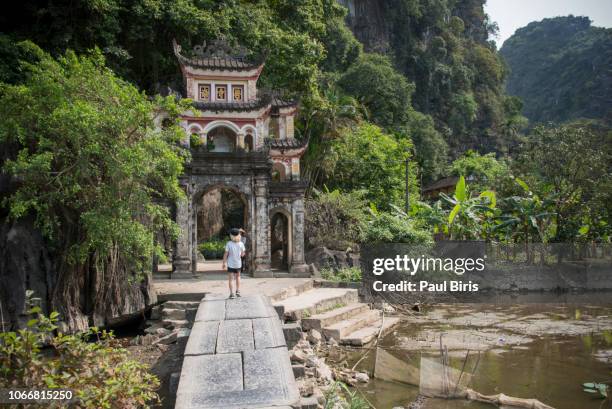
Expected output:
{"points": [[266, 99], [218, 55]]}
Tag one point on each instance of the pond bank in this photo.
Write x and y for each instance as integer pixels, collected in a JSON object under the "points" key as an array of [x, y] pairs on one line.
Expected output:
{"points": [[540, 351]]}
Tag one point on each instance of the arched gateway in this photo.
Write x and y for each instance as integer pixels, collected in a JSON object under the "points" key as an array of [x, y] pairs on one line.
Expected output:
{"points": [[244, 138]]}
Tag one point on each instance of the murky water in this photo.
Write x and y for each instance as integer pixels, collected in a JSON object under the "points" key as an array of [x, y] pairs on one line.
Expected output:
{"points": [[528, 351]]}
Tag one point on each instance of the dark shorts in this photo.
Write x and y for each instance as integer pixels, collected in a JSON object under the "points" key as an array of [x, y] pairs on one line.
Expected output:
{"points": [[233, 270]]}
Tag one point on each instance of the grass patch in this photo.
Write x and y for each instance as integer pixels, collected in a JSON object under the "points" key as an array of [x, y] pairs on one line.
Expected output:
{"points": [[344, 275]]}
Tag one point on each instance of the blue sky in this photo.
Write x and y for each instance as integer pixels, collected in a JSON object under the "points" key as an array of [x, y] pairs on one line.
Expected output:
{"points": [[513, 14]]}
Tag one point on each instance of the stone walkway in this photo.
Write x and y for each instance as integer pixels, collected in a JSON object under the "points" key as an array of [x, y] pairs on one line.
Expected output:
{"points": [[236, 357], [194, 289]]}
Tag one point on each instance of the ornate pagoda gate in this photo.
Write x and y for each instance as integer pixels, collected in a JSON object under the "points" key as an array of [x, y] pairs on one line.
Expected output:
{"points": [[245, 144]]}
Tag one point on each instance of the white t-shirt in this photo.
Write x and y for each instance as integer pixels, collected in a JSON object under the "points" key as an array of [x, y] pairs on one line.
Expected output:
{"points": [[234, 250]]}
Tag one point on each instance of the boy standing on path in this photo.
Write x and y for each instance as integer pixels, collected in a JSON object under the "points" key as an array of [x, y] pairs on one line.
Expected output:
{"points": [[232, 260]]}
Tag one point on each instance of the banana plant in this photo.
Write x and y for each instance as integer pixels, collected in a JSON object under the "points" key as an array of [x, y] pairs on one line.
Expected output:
{"points": [[527, 215], [526, 218], [469, 217]]}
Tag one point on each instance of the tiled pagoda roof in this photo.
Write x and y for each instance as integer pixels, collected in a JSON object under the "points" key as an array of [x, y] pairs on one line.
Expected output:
{"points": [[215, 58], [287, 143]]}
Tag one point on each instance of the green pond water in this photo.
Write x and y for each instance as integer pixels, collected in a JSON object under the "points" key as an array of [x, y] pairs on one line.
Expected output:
{"points": [[550, 364]]}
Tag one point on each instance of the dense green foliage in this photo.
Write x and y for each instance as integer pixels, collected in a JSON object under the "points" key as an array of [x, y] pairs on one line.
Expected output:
{"points": [[213, 248], [100, 374], [136, 37], [447, 89], [93, 168], [483, 171], [435, 94], [342, 221], [570, 166], [384, 92], [394, 228], [558, 189], [560, 67], [335, 219], [365, 158], [443, 47]]}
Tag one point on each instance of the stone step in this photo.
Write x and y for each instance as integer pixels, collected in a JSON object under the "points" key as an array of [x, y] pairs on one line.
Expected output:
{"points": [[176, 324], [315, 301], [341, 329], [173, 314], [325, 319], [367, 334], [292, 291], [182, 305], [162, 275]]}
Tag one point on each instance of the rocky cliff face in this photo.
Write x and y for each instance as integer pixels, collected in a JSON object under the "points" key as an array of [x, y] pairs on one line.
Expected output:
{"points": [[25, 264], [366, 19], [28, 265], [210, 215]]}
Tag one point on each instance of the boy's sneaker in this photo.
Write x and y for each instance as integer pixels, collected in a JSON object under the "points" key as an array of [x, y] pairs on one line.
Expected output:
{"points": [[231, 295], [237, 293]]}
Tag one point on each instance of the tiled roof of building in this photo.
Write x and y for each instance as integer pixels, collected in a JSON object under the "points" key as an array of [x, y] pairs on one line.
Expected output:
{"points": [[442, 183], [287, 143], [278, 102], [216, 58], [231, 106]]}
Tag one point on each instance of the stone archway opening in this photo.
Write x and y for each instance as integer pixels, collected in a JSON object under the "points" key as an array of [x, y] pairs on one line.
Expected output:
{"points": [[249, 142], [278, 172], [218, 209], [222, 139], [280, 241]]}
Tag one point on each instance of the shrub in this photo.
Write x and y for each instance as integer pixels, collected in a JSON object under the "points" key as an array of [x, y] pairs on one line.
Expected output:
{"points": [[345, 275], [212, 249], [99, 373], [195, 141], [335, 219], [339, 396], [390, 228]]}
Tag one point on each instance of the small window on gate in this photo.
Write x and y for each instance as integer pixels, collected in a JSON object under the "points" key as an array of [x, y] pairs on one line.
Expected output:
{"points": [[204, 92]]}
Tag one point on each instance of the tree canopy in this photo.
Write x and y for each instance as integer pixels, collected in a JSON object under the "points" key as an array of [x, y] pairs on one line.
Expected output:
{"points": [[560, 67], [89, 162]]}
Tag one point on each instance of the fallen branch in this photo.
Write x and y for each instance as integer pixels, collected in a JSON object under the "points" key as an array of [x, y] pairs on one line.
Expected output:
{"points": [[504, 400]]}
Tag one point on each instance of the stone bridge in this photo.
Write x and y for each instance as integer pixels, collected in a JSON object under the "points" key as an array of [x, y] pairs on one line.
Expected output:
{"points": [[236, 357]]}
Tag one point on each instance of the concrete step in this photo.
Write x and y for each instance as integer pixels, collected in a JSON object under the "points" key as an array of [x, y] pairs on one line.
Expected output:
{"points": [[182, 305], [315, 301], [341, 329], [325, 319], [367, 334], [292, 291]]}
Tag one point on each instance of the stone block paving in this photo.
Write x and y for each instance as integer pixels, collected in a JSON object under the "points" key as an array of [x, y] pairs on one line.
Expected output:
{"points": [[236, 357]]}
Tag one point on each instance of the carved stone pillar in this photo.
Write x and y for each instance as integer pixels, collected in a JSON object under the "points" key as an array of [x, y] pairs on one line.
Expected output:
{"points": [[298, 266], [240, 141], [295, 168], [181, 263], [261, 224], [193, 226]]}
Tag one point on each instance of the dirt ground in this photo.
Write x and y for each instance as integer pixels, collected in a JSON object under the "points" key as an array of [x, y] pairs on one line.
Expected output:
{"points": [[164, 360]]}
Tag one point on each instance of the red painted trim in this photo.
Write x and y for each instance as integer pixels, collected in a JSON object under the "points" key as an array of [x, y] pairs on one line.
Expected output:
{"points": [[205, 121]]}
